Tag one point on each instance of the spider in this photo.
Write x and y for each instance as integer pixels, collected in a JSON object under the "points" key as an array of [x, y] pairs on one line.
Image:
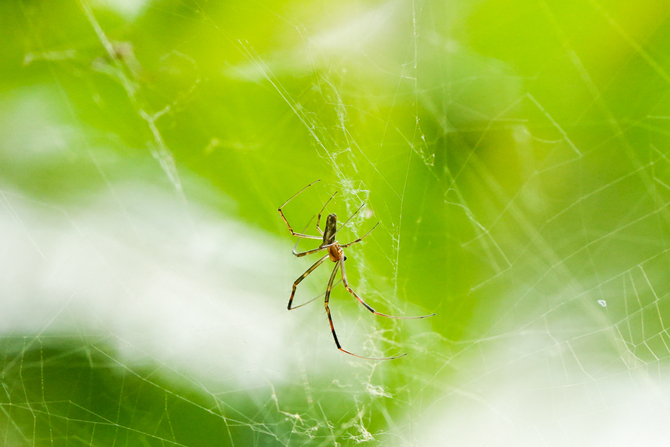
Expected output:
{"points": [[335, 251]]}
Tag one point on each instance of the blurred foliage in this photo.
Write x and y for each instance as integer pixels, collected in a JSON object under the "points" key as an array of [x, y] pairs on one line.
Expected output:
{"points": [[513, 151]]}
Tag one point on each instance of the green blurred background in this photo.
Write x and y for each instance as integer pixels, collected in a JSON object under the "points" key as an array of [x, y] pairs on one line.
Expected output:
{"points": [[514, 153]]}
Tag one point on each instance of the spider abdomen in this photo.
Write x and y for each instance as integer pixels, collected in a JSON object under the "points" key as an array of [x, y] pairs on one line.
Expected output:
{"points": [[330, 230]]}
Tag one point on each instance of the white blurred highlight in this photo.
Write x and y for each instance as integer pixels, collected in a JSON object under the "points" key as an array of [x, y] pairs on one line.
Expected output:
{"points": [[127, 8], [362, 31], [524, 390], [163, 286]]}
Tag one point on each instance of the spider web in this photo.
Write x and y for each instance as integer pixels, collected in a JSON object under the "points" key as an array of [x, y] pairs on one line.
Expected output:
{"points": [[515, 155]]}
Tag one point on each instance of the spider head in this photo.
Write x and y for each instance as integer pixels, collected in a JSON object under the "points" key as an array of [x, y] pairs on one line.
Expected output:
{"points": [[331, 228]]}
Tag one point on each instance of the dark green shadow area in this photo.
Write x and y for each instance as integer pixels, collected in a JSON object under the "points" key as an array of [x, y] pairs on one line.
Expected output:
{"points": [[56, 391]]}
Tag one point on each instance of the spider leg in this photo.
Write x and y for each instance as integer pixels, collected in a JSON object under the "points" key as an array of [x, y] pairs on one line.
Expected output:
{"points": [[315, 298], [360, 238], [344, 224], [304, 275], [367, 306], [294, 195], [309, 252], [281, 213], [332, 327], [305, 236], [318, 219], [298, 240]]}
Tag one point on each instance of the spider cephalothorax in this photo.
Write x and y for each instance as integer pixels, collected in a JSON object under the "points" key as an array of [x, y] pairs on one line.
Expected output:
{"points": [[336, 254]]}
